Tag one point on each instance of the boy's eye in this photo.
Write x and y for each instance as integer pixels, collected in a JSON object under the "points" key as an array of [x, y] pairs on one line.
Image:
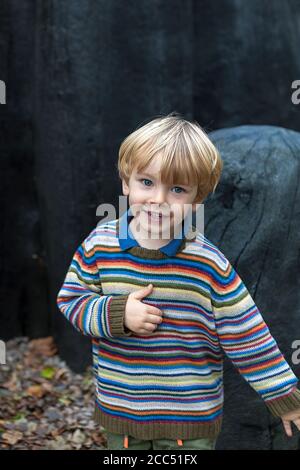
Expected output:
{"points": [[181, 189], [145, 179]]}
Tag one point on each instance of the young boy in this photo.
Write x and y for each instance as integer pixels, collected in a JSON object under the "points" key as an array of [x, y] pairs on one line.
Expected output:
{"points": [[160, 302]]}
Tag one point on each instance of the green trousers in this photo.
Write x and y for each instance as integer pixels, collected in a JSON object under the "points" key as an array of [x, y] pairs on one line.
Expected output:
{"points": [[116, 442]]}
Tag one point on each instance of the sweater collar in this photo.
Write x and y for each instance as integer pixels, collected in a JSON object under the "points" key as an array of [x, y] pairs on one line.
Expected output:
{"points": [[128, 242]]}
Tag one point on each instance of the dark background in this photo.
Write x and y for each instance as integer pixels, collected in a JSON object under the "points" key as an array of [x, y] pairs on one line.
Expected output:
{"points": [[82, 75]]}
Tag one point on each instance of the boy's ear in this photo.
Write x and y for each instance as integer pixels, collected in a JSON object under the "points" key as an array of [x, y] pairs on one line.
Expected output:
{"points": [[125, 188]]}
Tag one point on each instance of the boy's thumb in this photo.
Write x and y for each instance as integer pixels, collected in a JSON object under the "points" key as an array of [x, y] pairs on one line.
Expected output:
{"points": [[143, 291]]}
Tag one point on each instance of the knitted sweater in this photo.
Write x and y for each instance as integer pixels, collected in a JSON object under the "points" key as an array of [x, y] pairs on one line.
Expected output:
{"points": [[169, 384]]}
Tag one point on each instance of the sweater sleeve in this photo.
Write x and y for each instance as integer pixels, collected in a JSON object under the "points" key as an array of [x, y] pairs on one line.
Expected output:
{"points": [[81, 299], [247, 341]]}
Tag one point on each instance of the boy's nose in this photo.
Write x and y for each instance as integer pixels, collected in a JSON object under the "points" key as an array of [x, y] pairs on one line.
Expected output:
{"points": [[159, 197]]}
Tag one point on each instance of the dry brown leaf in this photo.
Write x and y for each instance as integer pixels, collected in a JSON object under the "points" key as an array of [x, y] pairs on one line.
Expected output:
{"points": [[31, 361], [97, 438], [58, 432], [48, 387], [11, 437], [36, 391], [58, 444], [60, 373], [43, 346], [13, 383]]}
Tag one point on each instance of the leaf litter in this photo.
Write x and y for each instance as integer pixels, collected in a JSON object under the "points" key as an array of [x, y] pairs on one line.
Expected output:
{"points": [[43, 403]]}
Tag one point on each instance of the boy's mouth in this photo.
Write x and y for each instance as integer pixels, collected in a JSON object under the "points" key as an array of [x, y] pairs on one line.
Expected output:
{"points": [[155, 214]]}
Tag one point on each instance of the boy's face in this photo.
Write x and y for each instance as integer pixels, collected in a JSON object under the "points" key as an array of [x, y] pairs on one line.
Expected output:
{"points": [[147, 193]]}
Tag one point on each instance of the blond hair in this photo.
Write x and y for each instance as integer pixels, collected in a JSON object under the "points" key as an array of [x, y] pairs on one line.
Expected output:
{"points": [[188, 155]]}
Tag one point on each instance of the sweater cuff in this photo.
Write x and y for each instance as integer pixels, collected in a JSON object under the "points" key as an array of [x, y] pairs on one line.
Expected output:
{"points": [[116, 316], [282, 405]]}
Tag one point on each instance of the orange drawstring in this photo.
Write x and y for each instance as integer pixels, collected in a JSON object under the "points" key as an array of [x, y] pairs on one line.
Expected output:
{"points": [[179, 442]]}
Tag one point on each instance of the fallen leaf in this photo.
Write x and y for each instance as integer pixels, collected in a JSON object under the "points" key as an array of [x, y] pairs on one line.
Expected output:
{"points": [[58, 432], [47, 386], [98, 438], [58, 444], [88, 442], [43, 346], [32, 427], [36, 391], [48, 373], [13, 383], [19, 416], [64, 401], [78, 437], [11, 437], [60, 373]]}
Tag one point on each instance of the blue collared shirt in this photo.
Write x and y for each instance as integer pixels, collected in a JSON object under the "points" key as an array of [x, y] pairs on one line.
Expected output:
{"points": [[127, 239]]}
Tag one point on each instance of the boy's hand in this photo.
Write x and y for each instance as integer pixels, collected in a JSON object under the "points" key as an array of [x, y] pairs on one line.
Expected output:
{"points": [[140, 317], [288, 418]]}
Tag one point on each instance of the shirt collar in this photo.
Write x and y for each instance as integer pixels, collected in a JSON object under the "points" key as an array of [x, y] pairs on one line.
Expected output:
{"points": [[127, 240]]}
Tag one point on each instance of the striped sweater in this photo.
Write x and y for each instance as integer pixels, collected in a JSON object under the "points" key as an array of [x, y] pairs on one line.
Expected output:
{"points": [[169, 384]]}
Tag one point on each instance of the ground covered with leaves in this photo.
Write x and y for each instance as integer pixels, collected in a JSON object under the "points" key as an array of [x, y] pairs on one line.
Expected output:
{"points": [[43, 404]]}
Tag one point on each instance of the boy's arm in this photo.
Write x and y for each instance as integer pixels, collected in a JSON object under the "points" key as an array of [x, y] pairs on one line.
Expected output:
{"points": [[247, 341], [81, 299]]}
